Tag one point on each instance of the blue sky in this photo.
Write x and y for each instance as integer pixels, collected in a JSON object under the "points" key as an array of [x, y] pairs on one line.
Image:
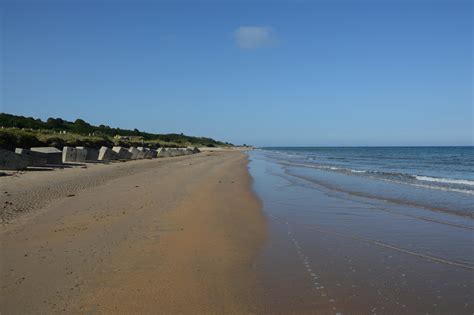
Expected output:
{"points": [[260, 72]]}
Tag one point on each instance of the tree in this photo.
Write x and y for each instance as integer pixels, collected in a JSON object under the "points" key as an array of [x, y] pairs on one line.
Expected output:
{"points": [[55, 122], [81, 123]]}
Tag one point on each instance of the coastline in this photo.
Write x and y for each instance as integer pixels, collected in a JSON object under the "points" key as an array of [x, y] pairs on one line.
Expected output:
{"points": [[343, 253], [178, 235], [223, 231]]}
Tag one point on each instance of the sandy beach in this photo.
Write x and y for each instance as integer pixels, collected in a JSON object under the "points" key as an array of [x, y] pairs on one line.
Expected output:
{"points": [[222, 231], [170, 235]]}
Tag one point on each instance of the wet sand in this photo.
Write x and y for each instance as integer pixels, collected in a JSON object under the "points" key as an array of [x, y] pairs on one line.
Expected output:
{"points": [[330, 252], [177, 235]]}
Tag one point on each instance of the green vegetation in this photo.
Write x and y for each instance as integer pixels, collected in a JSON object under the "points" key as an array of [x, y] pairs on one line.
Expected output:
{"points": [[26, 132]]}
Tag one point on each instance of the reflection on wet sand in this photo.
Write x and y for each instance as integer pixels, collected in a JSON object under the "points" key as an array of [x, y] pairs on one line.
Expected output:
{"points": [[332, 252]]}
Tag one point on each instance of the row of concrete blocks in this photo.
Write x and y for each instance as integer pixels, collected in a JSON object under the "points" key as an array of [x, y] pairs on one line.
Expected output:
{"points": [[120, 153], [43, 156], [23, 158]]}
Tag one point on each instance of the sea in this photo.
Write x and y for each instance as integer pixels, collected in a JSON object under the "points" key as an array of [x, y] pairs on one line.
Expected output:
{"points": [[367, 230], [444, 174]]}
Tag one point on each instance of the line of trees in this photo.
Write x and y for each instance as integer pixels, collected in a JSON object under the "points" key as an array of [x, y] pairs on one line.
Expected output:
{"points": [[82, 127]]}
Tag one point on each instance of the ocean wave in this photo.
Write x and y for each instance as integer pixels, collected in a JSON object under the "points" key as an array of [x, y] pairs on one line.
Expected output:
{"points": [[445, 180], [447, 189], [444, 184], [358, 171]]}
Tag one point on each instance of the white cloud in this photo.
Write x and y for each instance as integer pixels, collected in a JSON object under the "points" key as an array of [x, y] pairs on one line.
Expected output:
{"points": [[253, 37]]}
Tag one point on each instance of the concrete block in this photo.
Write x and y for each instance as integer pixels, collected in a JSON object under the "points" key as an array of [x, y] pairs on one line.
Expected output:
{"points": [[144, 153], [36, 158], [195, 150], [141, 155], [167, 152], [147, 153], [186, 151], [53, 155], [175, 152], [74, 155], [81, 155], [122, 153], [134, 151], [171, 151], [161, 152], [153, 153], [107, 154], [92, 154], [69, 155], [86, 154], [13, 161]]}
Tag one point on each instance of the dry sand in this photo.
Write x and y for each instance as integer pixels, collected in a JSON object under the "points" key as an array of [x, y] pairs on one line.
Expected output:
{"points": [[168, 235]]}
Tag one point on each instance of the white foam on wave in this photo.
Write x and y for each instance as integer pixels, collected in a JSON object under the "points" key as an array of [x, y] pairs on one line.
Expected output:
{"points": [[445, 180], [411, 183], [463, 191], [332, 168], [358, 171]]}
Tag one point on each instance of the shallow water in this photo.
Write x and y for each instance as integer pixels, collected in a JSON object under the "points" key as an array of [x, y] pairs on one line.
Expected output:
{"points": [[445, 175], [337, 250]]}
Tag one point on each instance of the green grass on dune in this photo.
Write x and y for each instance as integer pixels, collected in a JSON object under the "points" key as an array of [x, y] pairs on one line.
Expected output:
{"points": [[27, 132]]}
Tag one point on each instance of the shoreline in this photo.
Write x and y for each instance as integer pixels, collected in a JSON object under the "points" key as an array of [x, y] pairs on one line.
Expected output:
{"points": [[342, 253], [178, 235]]}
